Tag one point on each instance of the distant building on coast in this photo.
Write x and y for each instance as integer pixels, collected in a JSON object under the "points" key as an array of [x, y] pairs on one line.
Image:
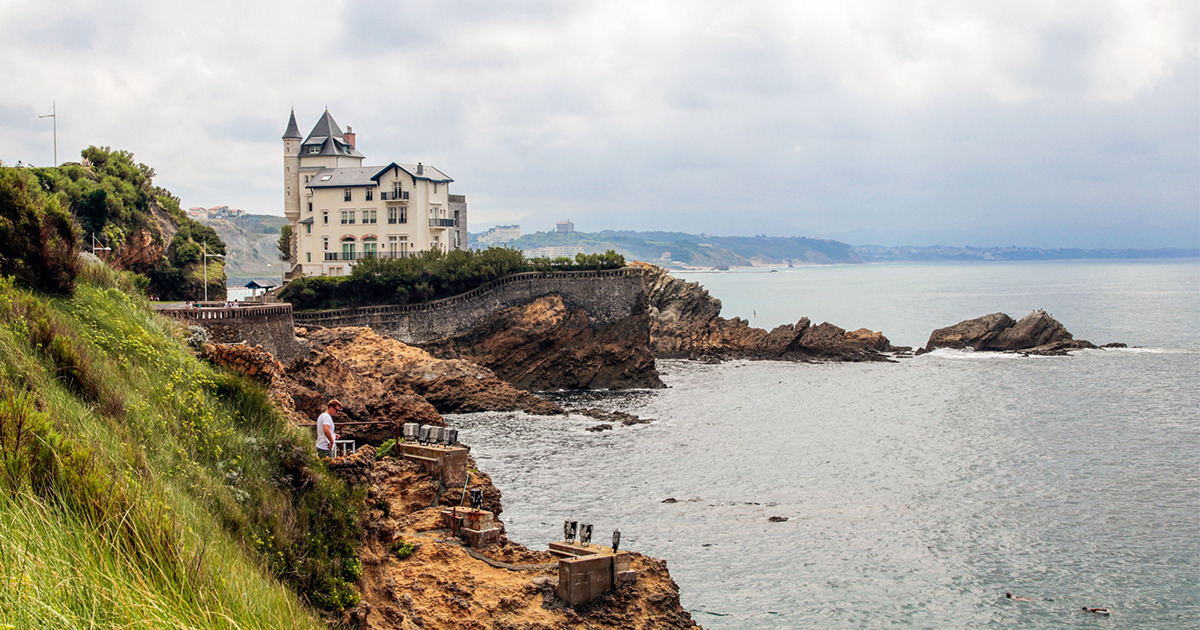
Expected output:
{"points": [[565, 227], [499, 235], [342, 211], [555, 251]]}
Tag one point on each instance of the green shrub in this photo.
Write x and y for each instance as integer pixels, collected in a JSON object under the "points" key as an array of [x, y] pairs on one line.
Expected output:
{"points": [[40, 240], [403, 549]]}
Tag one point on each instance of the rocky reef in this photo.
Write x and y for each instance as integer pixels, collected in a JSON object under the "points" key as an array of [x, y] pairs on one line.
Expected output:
{"points": [[546, 345], [686, 322], [1035, 334]]}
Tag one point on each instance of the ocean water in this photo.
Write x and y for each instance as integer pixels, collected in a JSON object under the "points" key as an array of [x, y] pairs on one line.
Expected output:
{"points": [[916, 493]]}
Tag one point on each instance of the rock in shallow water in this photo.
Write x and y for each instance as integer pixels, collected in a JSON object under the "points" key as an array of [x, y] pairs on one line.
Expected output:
{"points": [[1038, 333]]}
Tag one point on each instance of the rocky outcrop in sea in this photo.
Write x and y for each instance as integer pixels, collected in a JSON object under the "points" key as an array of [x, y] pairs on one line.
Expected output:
{"points": [[686, 323], [1038, 333]]}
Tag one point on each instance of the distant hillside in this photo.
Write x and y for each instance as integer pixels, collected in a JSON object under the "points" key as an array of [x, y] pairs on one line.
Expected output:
{"points": [[681, 249], [937, 253], [251, 242]]}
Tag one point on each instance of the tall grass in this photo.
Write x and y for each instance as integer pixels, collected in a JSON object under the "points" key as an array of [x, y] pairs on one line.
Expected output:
{"points": [[140, 487]]}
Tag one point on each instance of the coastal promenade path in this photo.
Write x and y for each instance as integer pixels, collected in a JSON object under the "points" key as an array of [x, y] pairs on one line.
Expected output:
{"points": [[606, 295]]}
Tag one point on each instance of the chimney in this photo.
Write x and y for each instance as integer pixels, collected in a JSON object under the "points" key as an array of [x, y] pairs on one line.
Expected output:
{"points": [[420, 169], [349, 136]]}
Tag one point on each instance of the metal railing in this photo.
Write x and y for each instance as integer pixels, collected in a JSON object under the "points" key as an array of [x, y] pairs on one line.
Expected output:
{"points": [[441, 223], [394, 195], [204, 312], [457, 198]]}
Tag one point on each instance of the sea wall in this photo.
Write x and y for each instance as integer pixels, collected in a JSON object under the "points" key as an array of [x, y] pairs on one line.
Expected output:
{"points": [[269, 326], [606, 296]]}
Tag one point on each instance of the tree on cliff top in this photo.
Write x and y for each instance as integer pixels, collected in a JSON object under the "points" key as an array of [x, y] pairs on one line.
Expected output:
{"points": [[40, 240], [114, 198]]}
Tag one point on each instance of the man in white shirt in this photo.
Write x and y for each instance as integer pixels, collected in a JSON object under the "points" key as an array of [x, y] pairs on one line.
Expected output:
{"points": [[326, 438]]}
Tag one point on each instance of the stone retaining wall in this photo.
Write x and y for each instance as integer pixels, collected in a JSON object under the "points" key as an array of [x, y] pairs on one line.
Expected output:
{"points": [[607, 296], [268, 326]]}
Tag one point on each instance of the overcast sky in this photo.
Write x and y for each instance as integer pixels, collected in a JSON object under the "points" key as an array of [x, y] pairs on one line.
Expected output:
{"points": [[1026, 122]]}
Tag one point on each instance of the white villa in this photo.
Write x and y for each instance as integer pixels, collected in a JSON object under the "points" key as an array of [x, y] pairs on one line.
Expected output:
{"points": [[342, 211]]}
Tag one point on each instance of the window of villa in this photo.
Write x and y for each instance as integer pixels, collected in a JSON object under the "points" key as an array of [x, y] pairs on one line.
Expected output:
{"points": [[308, 256], [370, 194], [325, 240], [346, 194], [325, 217], [310, 206], [348, 251], [369, 216], [308, 228], [369, 248]]}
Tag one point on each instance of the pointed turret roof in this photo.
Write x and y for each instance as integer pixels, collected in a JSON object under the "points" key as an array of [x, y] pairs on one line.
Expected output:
{"points": [[293, 130], [328, 137]]}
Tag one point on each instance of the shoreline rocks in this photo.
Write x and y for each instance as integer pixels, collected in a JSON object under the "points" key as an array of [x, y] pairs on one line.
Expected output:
{"points": [[1038, 333], [685, 323]]}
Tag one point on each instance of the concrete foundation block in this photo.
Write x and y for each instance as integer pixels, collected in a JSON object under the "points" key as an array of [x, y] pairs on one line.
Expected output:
{"points": [[580, 580]]}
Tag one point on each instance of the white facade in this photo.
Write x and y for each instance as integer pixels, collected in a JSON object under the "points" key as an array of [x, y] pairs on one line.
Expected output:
{"points": [[342, 211]]}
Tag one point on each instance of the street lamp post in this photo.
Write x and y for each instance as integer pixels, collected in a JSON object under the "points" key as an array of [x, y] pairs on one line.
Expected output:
{"points": [[206, 257], [54, 114]]}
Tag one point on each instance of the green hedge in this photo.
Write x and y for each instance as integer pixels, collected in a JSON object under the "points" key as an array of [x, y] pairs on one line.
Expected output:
{"points": [[428, 275]]}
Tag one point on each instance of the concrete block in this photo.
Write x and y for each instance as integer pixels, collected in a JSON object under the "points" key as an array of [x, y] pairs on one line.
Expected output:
{"points": [[580, 580], [626, 577], [447, 463], [481, 538], [575, 549]]}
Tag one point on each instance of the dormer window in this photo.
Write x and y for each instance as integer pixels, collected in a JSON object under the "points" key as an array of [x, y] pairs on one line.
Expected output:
{"points": [[316, 148]]}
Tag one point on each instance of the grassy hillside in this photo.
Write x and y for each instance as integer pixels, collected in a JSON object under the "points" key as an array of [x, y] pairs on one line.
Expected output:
{"points": [[141, 487]]}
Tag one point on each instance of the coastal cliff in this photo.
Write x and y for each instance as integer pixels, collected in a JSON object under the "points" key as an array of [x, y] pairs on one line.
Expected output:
{"points": [[686, 322], [546, 344], [417, 576]]}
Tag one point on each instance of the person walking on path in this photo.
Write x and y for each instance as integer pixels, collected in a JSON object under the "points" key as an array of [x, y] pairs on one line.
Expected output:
{"points": [[326, 438]]}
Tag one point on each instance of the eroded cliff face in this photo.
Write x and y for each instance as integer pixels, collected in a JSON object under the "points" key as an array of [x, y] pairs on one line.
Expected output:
{"points": [[544, 345], [444, 585], [686, 322], [396, 368]]}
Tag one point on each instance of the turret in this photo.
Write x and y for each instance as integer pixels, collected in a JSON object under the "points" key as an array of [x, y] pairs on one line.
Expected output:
{"points": [[291, 171]]}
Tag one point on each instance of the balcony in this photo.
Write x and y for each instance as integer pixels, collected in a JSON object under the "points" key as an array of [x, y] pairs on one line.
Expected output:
{"points": [[400, 195], [441, 223], [343, 256]]}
